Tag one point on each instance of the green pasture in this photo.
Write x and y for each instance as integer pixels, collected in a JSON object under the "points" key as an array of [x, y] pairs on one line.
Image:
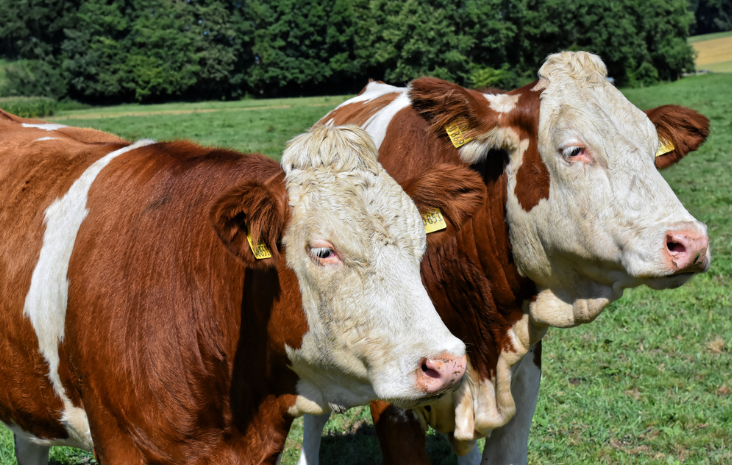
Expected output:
{"points": [[712, 36], [649, 382]]}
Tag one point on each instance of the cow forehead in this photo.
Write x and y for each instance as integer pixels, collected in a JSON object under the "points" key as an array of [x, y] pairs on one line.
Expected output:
{"points": [[366, 207], [595, 110]]}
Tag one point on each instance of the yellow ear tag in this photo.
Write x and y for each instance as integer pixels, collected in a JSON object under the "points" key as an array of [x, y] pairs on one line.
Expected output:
{"points": [[433, 221], [456, 130], [260, 251], [664, 147]]}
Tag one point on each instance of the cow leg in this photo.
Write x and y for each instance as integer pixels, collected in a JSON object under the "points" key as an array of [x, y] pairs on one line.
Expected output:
{"points": [[509, 444], [471, 458], [400, 433], [312, 433], [29, 453]]}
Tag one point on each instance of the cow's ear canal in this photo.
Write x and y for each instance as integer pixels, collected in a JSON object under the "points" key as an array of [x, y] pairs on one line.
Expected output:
{"points": [[250, 220], [455, 191], [680, 131]]}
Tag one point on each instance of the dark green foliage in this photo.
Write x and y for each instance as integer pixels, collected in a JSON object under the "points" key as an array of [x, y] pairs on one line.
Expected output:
{"points": [[28, 107], [156, 50], [711, 16], [33, 78]]}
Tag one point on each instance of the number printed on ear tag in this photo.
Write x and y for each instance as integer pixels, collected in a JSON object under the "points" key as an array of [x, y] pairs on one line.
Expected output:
{"points": [[260, 251], [433, 221], [456, 130], [664, 147]]}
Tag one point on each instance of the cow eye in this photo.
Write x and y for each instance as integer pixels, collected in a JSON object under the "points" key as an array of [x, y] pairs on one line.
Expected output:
{"points": [[323, 253], [571, 152]]}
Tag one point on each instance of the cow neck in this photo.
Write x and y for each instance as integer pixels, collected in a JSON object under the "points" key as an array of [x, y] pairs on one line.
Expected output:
{"points": [[471, 278], [263, 387]]}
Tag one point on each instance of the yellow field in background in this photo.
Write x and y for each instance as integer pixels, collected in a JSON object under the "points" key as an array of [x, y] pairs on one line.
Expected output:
{"points": [[714, 55]]}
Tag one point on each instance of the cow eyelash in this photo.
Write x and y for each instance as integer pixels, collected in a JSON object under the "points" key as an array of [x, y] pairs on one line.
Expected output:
{"points": [[322, 252], [571, 152]]}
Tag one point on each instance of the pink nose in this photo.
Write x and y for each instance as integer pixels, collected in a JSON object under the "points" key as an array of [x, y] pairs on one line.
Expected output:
{"points": [[687, 251], [441, 373]]}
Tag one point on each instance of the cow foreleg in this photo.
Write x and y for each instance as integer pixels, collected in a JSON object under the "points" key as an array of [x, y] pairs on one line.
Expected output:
{"points": [[400, 433], [471, 458], [312, 433], [509, 444], [29, 453]]}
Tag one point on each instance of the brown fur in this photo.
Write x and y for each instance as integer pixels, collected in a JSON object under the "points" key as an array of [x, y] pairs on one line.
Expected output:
{"points": [[440, 102], [173, 346], [684, 127]]}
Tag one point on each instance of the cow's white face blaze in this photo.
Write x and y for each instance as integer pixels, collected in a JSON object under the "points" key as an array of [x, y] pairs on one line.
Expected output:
{"points": [[355, 242], [610, 220]]}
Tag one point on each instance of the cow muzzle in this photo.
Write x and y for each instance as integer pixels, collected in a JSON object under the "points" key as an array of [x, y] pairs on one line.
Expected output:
{"points": [[686, 251], [440, 374]]}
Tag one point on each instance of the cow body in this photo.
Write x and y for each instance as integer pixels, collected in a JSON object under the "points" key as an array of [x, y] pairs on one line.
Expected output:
{"points": [[575, 212], [136, 321]]}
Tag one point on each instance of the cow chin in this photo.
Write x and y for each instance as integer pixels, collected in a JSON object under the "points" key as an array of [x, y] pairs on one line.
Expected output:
{"points": [[668, 282]]}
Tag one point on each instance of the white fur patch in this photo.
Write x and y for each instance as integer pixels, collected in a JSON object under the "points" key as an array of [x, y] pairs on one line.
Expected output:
{"points": [[502, 103], [373, 91], [44, 126], [46, 138], [47, 299], [377, 125]]}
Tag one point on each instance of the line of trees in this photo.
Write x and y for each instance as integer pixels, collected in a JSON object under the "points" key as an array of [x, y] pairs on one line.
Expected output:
{"points": [[153, 50]]}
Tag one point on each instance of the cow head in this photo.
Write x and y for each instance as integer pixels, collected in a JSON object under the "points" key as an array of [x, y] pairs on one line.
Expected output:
{"points": [[588, 212], [355, 241]]}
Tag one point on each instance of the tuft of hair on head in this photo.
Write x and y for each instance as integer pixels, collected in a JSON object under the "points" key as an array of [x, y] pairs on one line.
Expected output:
{"points": [[583, 66], [338, 148]]}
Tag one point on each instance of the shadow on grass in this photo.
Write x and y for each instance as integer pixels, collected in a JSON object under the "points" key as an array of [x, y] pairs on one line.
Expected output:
{"points": [[360, 446]]}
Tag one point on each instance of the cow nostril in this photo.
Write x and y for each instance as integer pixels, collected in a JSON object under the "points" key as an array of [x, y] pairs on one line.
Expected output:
{"points": [[675, 247], [429, 371]]}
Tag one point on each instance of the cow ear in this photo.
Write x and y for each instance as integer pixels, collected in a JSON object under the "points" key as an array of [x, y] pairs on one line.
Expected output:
{"points": [[455, 190], [683, 127], [441, 103], [256, 212]]}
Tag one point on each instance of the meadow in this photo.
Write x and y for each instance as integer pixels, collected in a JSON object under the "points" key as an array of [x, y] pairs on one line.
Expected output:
{"points": [[649, 382]]}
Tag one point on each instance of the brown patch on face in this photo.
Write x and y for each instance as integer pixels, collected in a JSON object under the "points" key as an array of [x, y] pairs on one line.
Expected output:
{"points": [[684, 127], [532, 178], [360, 112]]}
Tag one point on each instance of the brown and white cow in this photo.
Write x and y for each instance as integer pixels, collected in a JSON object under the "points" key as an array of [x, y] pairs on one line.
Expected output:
{"points": [[576, 212], [137, 321]]}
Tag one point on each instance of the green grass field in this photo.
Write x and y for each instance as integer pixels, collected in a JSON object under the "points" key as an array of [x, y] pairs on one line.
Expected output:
{"points": [[649, 382], [712, 36]]}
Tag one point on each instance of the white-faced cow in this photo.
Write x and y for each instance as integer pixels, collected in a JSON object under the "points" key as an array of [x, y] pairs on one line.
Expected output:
{"points": [[576, 212], [168, 303]]}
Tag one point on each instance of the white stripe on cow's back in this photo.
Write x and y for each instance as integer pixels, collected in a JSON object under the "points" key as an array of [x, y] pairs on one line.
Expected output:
{"points": [[376, 125], [44, 126], [45, 304]]}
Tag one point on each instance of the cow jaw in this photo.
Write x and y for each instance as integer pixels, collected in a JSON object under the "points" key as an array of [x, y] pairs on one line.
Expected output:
{"points": [[372, 326], [609, 216]]}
